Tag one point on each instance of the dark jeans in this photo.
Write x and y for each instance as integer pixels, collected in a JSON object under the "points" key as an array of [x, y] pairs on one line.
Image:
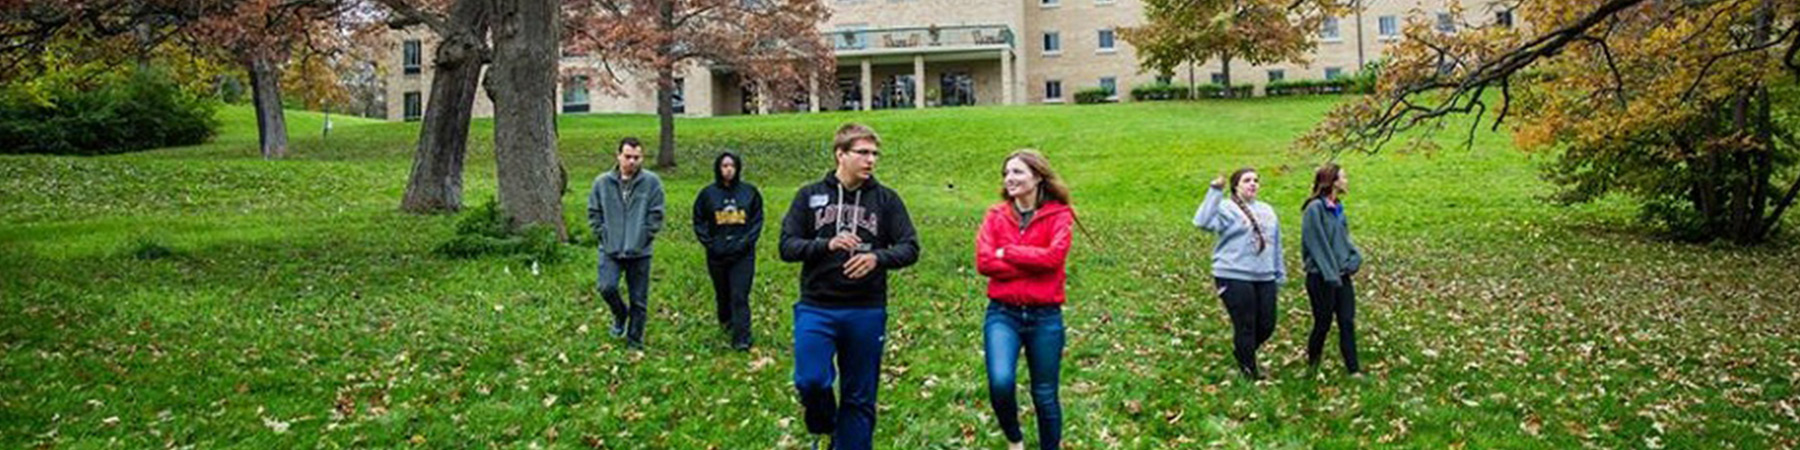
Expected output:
{"points": [[1327, 303], [1252, 308], [731, 281], [853, 337], [1039, 331], [637, 276]]}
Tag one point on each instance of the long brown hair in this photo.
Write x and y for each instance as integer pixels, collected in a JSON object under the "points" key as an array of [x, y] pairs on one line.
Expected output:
{"points": [[1324, 181], [1050, 185], [1262, 242]]}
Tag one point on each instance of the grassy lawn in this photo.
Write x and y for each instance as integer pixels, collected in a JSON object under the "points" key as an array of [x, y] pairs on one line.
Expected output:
{"points": [[302, 310]]}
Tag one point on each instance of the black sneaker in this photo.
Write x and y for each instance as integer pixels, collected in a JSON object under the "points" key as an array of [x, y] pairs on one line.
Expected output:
{"points": [[1251, 373], [618, 329], [634, 345], [741, 346]]}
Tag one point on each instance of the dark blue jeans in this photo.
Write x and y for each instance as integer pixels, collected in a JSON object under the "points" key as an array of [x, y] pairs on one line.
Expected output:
{"points": [[637, 278], [853, 337], [1039, 331]]}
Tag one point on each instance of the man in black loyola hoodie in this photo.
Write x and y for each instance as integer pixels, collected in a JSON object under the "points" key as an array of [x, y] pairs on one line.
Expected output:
{"points": [[847, 231], [728, 220]]}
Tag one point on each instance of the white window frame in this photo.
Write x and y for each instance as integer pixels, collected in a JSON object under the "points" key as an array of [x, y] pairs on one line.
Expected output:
{"points": [[1060, 96], [1385, 24], [1334, 26], [1328, 75], [1114, 96], [1048, 36], [416, 66], [407, 100], [1106, 50]]}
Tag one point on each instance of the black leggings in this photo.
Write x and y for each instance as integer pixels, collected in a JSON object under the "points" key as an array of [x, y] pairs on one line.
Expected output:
{"points": [[1252, 308], [1330, 302]]}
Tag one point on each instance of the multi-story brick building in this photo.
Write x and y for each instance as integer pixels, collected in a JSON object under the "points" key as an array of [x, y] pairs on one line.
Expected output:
{"points": [[935, 53]]}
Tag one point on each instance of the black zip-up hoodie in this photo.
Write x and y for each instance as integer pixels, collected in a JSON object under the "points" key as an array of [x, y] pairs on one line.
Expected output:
{"points": [[728, 217], [878, 217]]}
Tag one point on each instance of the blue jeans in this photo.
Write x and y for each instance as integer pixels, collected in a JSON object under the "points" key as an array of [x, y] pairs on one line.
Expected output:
{"points": [[854, 338], [637, 277], [1039, 331]]}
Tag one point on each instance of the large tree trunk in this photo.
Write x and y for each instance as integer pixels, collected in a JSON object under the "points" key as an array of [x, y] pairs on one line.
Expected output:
{"points": [[436, 181], [1225, 73], [522, 84], [665, 115], [665, 94], [271, 121]]}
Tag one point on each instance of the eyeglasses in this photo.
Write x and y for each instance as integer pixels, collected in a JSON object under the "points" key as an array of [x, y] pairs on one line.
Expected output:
{"points": [[867, 153]]}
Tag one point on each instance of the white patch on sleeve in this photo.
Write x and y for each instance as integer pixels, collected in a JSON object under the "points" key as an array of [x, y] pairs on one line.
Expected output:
{"points": [[818, 201]]}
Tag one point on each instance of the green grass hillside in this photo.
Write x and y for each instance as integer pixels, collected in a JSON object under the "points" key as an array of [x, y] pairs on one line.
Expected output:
{"points": [[299, 308]]}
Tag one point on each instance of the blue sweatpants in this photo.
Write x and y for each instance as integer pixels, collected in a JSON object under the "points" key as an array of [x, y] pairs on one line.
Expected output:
{"points": [[853, 337]]}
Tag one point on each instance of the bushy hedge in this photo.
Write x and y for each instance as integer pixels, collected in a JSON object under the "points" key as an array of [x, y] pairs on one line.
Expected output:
{"points": [[484, 231], [1159, 91], [1092, 95], [1213, 90], [97, 112], [1307, 87], [1363, 82]]}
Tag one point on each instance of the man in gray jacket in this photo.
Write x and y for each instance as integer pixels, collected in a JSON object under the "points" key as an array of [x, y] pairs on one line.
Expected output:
{"points": [[625, 211]]}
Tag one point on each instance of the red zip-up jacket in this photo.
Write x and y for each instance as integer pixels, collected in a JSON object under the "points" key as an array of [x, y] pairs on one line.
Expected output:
{"points": [[1031, 273]]}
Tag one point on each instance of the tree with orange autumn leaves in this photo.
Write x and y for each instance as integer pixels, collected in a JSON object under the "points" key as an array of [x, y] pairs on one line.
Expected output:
{"points": [[1257, 32], [774, 45], [1689, 106], [261, 36], [264, 36]]}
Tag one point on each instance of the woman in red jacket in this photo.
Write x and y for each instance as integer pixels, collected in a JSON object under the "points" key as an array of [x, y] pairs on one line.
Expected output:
{"points": [[1022, 248]]}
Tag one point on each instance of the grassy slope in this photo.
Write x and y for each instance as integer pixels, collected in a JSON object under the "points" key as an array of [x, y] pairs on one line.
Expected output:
{"points": [[301, 301]]}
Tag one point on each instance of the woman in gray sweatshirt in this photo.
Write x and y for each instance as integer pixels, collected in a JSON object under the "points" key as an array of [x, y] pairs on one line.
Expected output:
{"points": [[1246, 263], [1330, 260]]}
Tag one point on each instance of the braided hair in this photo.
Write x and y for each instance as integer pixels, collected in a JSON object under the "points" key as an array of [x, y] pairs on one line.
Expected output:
{"points": [[1262, 241]]}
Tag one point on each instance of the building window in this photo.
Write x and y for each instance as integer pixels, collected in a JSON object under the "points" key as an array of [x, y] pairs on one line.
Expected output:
{"points": [[1390, 27], [1333, 73], [1218, 78], [1329, 30], [410, 56], [1052, 42], [1111, 86], [1504, 18], [1053, 90], [678, 99], [1446, 23], [1049, 3], [575, 95], [1165, 79], [412, 109], [1107, 40], [1277, 75], [956, 88]]}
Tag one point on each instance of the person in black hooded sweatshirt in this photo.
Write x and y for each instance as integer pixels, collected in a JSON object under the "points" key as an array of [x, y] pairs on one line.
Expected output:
{"points": [[728, 220]]}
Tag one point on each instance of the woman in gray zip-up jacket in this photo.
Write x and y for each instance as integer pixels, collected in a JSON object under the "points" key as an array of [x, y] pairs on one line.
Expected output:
{"points": [[1330, 260], [1246, 263]]}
